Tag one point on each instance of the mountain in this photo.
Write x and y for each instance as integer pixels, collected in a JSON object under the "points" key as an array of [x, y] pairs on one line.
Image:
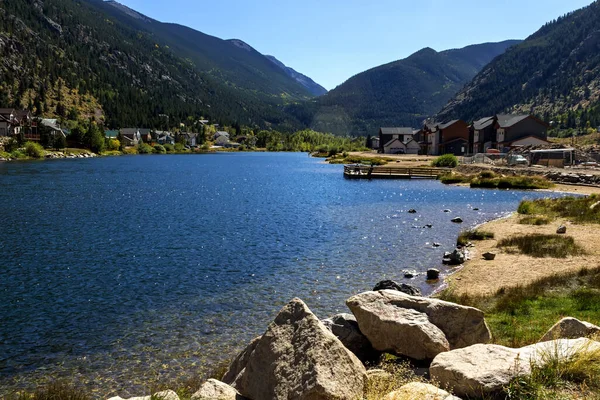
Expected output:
{"points": [[314, 88], [94, 58], [554, 73], [401, 93]]}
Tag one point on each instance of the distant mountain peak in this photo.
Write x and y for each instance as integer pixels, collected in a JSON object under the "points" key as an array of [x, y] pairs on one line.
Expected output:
{"points": [[313, 87], [241, 44], [128, 11]]}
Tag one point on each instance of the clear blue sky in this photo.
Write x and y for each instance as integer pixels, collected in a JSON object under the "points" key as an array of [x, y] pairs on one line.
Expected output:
{"points": [[332, 40]]}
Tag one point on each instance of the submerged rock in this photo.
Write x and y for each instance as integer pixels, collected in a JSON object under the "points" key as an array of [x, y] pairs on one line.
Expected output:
{"points": [[433, 274], [216, 390], [457, 220], [164, 395], [412, 211], [297, 358], [401, 287]]}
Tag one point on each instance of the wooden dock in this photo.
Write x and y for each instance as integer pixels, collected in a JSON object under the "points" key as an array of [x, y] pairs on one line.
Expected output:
{"points": [[393, 172]]}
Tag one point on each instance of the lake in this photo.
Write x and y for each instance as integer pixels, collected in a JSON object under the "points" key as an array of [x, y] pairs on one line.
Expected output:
{"points": [[120, 271]]}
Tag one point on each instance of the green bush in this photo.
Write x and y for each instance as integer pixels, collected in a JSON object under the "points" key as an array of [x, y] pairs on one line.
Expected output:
{"points": [[445, 161], [144, 148], [34, 150], [487, 174], [160, 149], [466, 236], [534, 220], [452, 178], [169, 148], [179, 147]]}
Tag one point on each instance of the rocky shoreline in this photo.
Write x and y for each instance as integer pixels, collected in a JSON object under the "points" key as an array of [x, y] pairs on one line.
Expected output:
{"points": [[302, 357]]}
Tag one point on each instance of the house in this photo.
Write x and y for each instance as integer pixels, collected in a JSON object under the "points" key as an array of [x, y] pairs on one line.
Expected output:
{"points": [[131, 136], [190, 138], [519, 130], [373, 142], [394, 140], [164, 137], [218, 134], [54, 126], [222, 140], [145, 135], [484, 134], [111, 134], [453, 138], [14, 122], [427, 138]]}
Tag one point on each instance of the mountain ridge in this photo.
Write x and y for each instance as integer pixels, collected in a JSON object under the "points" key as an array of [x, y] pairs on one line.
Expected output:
{"points": [[554, 73]]}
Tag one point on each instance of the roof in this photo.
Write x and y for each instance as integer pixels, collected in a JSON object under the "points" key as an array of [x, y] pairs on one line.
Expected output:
{"points": [[448, 124], [508, 120], [144, 131], [111, 134], [483, 123], [6, 111], [455, 140], [392, 141], [49, 122], [129, 131], [396, 131], [222, 133]]}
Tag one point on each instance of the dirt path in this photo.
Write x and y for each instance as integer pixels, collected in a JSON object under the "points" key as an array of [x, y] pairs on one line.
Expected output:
{"points": [[480, 277]]}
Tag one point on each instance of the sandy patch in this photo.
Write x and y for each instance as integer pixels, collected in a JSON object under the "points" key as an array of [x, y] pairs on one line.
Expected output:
{"points": [[480, 277]]}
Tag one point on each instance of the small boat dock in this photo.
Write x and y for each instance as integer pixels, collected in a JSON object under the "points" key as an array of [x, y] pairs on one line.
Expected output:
{"points": [[359, 171]]}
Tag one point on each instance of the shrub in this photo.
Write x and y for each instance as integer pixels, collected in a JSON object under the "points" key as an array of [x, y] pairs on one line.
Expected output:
{"points": [[445, 161], [160, 149], [114, 144], [466, 236], [541, 246], [205, 147], [333, 151], [130, 150], [169, 148], [144, 148], [179, 147], [34, 150], [452, 178], [512, 182], [487, 174], [56, 391]]}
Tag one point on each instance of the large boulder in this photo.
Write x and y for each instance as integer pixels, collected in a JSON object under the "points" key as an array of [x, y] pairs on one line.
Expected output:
{"points": [[570, 328], [462, 326], [401, 287], [345, 328], [164, 395], [419, 391], [457, 257], [481, 369], [297, 358], [239, 363], [397, 330]]}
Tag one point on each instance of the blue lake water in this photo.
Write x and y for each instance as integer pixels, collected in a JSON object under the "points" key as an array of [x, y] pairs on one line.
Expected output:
{"points": [[118, 271]]}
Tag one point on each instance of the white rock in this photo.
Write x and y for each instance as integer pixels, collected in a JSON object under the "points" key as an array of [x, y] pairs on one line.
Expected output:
{"points": [[298, 358], [216, 390], [570, 328], [481, 369], [420, 391]]}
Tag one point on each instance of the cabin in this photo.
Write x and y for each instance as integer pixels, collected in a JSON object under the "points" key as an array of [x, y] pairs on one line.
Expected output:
{"points": [[55, 129], [164, 137], [14, 122], [397, 141], [191, 139], [219, 134], [131, 136], [519, 130], [145, 135]]}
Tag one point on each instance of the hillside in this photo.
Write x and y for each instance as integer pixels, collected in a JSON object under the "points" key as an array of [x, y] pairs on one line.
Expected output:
{"points": [[93, 58], [313, 87], [401, 93], [554, 73]]}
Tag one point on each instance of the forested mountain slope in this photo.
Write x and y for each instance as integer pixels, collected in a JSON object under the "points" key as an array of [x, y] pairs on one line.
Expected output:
{"points": [[554, 73], [69, 57], [401, 93]]}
